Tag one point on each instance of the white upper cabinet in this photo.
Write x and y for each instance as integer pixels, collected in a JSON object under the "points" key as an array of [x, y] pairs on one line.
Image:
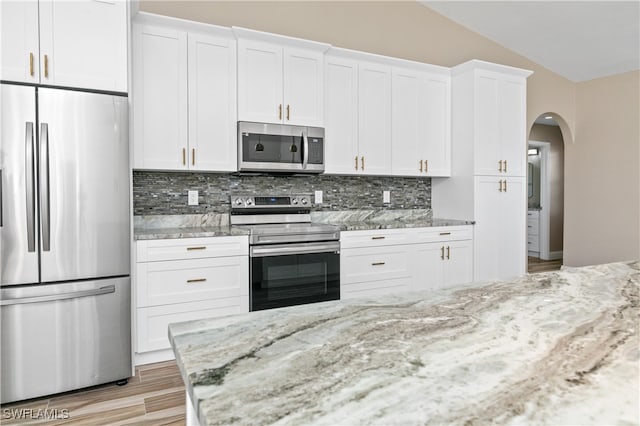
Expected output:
{"points": [[65, 43], [260, 82], [212, 102], [184, 98], [421, 122], [280, 79], [500, 124], [341, 115]]}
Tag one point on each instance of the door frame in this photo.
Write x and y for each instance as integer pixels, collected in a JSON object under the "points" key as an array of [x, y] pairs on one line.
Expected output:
{"points": [[545, 197]]}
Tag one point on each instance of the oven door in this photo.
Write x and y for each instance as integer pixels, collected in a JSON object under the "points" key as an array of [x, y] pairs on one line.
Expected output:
{"points": [[294, 274]]}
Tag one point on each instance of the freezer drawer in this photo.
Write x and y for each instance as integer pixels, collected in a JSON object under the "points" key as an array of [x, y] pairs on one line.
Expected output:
{"points": [[60, 337]]}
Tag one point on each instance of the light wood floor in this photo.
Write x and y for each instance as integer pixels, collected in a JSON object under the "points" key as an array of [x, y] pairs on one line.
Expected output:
{"points": [[154, 396], [539, 265]]}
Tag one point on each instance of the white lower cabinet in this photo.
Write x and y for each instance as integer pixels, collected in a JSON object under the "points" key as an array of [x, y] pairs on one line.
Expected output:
{"points": [[396, 260], [186, 279]]}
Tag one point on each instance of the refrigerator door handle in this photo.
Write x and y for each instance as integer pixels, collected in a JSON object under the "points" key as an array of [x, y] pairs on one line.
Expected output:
{"points": [[45, 212], [29, 141], [61, 296]]}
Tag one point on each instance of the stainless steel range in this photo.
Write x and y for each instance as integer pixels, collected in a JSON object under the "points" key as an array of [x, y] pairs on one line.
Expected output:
{"points": [[292, 261]]}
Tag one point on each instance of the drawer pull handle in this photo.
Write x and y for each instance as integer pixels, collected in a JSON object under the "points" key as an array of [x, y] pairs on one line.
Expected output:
{"points": [[377, 238], [377, 263], [197, 280], [196, 248], [445, 233]]}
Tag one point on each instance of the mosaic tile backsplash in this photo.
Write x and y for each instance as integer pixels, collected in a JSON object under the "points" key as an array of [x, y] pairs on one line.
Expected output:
{"points": [[165, 193]]}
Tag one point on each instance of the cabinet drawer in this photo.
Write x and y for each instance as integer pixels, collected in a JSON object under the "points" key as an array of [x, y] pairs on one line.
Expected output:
{"points": [[177, 281], [533, 214], [374, 264], [383, 237], [191, 248], [533, 243], [443, 233], [533, 226], [153, 322]]}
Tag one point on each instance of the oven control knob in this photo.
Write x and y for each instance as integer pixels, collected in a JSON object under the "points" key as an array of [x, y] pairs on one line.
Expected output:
{"points": [[249, 202], [238, 201], [294, 201], [304, 201]]}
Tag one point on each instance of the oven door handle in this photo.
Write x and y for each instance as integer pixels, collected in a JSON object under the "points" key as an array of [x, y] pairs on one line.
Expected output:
{"points": [[293, 249]]}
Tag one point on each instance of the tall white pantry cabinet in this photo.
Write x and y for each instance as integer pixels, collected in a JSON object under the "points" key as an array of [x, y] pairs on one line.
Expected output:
{"points": [[488, 178]]}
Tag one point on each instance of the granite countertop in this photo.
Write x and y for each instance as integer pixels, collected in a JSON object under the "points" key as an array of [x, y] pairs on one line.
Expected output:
{"points": [[216, 225], [363, 220], [551, 348]]}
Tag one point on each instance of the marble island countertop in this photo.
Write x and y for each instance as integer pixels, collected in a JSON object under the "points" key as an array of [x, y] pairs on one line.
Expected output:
{"points": [[216, 225], [551, 348]]}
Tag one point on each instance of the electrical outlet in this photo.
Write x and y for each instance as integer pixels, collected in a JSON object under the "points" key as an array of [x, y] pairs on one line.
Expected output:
{"points": [[386, 197], [192, 198], [318, 197]]}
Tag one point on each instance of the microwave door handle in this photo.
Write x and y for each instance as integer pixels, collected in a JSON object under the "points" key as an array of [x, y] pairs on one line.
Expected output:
{"points": [[305, 149]]}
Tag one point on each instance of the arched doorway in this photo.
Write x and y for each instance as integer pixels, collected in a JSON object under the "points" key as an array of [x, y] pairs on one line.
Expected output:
{"points": [[545, 179]]}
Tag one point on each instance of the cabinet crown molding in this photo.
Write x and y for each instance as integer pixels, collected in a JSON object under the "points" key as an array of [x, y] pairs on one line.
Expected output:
{"points": [[476, 64], [144, 18], [286, 41], [387, 60]]}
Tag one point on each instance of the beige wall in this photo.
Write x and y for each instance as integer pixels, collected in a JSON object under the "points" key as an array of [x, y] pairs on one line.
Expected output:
{"points": [[602, 190], [409, 30], [552, 134]]}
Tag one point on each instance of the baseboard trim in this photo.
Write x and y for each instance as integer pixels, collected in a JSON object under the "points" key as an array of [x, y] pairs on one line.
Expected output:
{"points": [[153, 357], [555, 255]]}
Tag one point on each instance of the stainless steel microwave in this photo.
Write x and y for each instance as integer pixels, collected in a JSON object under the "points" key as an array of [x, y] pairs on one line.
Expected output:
{"points": [[280, 148]]}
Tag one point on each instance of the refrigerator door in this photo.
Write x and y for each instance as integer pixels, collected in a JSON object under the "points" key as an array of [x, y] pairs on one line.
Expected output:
{"points": [[59, 337], [19, 262], [84, 185]]}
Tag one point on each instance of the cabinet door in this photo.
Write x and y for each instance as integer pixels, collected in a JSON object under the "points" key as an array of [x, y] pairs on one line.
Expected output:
{"points": [[406, 115], [160, 98], [428, 266], [513, 137], [458, 266], [488, 228], [341, 120], [84, 44], [513, 228], [303, 87], [487, 124], [260, 82], [212, 103], [435, 119], [374, 118], [20, 57]]}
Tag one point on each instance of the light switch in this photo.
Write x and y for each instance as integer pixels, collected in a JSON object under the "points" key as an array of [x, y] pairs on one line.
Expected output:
{"points": [[318, 197], [386, 197], [192, 198]]}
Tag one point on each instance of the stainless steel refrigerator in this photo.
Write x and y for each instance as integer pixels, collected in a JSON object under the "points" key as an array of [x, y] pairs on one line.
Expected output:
{"points": [[65, 296]]}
